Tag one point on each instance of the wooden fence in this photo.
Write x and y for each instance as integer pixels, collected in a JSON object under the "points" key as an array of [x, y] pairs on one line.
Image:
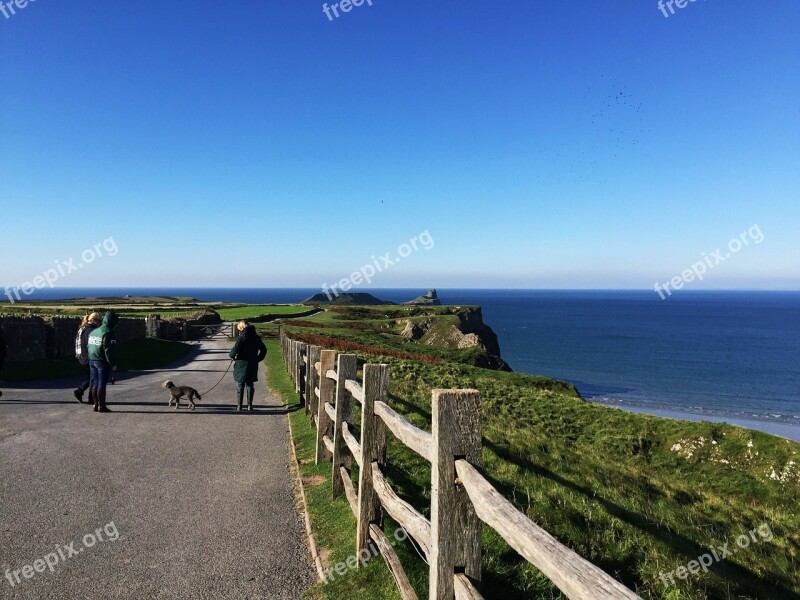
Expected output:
{"points": [[461, 498]]}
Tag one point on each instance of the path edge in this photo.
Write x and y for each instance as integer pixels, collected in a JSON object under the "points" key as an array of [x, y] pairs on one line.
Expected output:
{"points": [[311, 542]]}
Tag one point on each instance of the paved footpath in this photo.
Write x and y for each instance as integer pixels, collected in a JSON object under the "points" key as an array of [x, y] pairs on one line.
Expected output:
{"points": [[201, 503]]}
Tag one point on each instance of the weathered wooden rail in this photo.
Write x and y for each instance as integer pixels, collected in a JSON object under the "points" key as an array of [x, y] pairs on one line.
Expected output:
{"points": [[461, 498]]}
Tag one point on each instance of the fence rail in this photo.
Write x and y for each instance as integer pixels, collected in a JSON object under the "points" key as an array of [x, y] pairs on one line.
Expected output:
{"points": [[462, 500]]}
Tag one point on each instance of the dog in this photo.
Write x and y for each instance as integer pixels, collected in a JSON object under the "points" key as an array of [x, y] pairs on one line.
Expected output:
{"points": [[178, 392]]}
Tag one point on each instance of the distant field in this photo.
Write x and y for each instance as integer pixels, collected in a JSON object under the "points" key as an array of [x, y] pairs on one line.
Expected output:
{"points": [[167, 307], [124, 306], [257, 310]]}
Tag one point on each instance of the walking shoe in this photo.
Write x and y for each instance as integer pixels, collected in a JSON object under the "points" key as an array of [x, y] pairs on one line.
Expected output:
{"points": [[78, 396], [101, 396]]}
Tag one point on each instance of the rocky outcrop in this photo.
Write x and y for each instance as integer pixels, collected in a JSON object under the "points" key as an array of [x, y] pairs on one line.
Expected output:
{"points": [[468, 332], [473, 328], [415, 331], [431, 298]]}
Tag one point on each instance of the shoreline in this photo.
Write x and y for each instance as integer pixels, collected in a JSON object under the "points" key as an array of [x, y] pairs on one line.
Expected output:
{"points": [[777, 428]]}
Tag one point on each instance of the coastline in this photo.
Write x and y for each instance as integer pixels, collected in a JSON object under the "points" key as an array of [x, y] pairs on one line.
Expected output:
{"points": [[779, 428]]}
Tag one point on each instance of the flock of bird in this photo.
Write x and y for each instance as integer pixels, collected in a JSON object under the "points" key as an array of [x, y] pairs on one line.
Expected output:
{"points": [[616, 125]]}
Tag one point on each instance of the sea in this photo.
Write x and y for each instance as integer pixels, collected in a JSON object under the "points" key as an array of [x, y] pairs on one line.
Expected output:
{"points": [[714, 355]]}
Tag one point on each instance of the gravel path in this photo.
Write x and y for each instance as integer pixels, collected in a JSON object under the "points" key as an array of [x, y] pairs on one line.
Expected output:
{"points": [[201, 503]]}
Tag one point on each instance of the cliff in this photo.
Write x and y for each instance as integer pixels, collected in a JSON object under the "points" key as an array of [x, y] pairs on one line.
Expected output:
{"points": [[463, 329]]}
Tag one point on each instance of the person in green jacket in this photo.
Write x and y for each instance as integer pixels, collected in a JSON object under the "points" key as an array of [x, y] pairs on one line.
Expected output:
{"points": [[248, 352], [102, 345]]}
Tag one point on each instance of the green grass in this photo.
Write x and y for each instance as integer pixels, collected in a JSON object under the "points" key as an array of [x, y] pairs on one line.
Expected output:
{"points": [[135, 355], [332, 521], [167, 307], [611, 485], [132, 306], [256, 310], [607, 484]]}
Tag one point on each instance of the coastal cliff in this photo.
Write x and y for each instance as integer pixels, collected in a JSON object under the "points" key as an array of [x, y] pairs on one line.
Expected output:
{"points": [[462, 329]]}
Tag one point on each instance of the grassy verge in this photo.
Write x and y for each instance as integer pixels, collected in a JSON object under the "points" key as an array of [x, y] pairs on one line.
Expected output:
{"points": [[332, 521], [135, 355]]}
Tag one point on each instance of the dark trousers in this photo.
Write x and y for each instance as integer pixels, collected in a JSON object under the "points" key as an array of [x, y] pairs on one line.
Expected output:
{"points": [[99, 373], [87, 382], [240, 385]]}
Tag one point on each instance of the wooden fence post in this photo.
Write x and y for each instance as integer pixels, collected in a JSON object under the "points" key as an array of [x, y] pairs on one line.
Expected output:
{"points": [[373, 448], [346, 369], [327, 361], [298, 364], [295, 357], [455, 528], [303, 373], [311, 380], [292, 348]]}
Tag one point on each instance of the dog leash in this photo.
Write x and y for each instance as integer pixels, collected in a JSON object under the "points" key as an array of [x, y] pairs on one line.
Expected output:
{"points": [[220, 379]]}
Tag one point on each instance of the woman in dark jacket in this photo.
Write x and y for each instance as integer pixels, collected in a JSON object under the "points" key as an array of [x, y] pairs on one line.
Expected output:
{"points": [[248, 352]]}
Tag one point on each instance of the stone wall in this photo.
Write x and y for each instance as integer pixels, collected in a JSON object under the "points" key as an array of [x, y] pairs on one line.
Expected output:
{"points": [[36, 338], [130, 329], [61, 333], [26, 337]]}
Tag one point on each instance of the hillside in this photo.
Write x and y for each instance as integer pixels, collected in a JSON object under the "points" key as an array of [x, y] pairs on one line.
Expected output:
{"points": [[356, 298], [430, 334], [640, 496]]}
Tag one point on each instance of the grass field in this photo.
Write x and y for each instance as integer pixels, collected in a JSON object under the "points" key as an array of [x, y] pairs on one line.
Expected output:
{"points": [[167, 307], [133, 356], [133, 306], [256, 310], [637, 495]]}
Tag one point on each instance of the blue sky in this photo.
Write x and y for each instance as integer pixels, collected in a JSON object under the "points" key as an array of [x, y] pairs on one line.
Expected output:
{"points": [[541, 144]]}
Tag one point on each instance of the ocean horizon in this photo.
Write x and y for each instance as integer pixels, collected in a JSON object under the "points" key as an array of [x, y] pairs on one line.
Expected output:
{"points": [[732, 355]]}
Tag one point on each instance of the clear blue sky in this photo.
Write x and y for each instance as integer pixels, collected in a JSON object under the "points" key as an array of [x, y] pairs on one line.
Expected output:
{"points": [[542, 144]]}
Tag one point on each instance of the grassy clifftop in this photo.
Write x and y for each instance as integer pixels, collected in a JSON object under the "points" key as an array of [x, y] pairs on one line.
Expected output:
{"points": [[433, 334], [638, 495]]}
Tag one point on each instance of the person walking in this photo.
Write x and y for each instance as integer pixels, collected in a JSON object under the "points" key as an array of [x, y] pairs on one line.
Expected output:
{"points": [[102, 345], [248, 352], [89, 324]]}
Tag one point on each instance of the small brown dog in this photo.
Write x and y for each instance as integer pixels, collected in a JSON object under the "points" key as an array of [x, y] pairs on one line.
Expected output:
{"points": [[178, 392]]}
